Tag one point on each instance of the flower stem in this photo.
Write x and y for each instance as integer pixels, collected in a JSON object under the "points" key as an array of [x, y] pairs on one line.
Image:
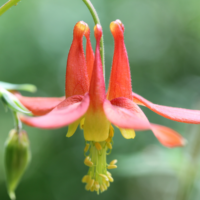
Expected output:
{"points": [[96, 21], [18, 124], [8, 5]]}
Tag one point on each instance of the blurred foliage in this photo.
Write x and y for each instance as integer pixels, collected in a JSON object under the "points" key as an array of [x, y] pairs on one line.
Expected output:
{"points": [[163, 44]]}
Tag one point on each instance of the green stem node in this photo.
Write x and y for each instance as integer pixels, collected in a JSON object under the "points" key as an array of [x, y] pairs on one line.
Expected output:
{"points": [[18, 124]]}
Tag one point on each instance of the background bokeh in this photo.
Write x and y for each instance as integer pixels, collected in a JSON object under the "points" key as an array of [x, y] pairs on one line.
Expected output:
{"points": [[163, 43]]}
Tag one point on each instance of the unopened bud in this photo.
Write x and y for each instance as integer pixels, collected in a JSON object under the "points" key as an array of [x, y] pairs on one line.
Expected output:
{"points": [[17, 157]]}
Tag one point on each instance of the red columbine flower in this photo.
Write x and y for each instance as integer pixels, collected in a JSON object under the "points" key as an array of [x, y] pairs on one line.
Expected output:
{"points": [[86, 104], [120, 88]]}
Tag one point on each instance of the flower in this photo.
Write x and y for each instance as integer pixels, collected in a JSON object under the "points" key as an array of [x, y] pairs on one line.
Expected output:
{"points": [[87, 104]]}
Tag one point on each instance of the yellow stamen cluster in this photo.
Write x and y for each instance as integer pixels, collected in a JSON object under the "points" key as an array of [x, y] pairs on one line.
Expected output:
{"points": [[98, 178]]}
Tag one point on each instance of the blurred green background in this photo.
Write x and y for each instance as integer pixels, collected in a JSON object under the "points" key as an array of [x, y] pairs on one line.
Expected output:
{"points": [[163, 43]]}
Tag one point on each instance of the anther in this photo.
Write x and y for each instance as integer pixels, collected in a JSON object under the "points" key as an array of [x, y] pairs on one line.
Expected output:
{"points": [[110, 178], [112, 166], [105, 186], [85, 179], [104, 177], [86, 147], [109, 145], [98, 146], [108, 184], [111, 131], [88, 162], [97, 186], [92, 188], [89, 184], [109, 139], [113, 162], [102, 188], [109, 175]]}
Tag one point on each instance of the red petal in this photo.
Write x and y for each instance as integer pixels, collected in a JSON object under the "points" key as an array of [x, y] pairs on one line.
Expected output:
{"points": [[97, 91], [176, 114], [38, 105], [120, 79], [77, 82], [126, 114], [125, 111], [64, 114], [89, 53], [167, 136]]}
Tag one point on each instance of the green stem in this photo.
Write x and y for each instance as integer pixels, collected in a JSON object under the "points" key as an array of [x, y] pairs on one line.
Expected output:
{"points": [[8, 5], [18, 124], [96, 21]]}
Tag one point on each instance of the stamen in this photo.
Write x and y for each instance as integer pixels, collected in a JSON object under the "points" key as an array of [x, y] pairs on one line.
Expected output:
{"points": [[102, 188], [97, 186], [98, 178], [111, 131], [86, 147], [110, 178], [85, 179], [112, 166], [109, 145], [109, 139], [108, 184], [104, 176], [89, 184], [113, 162], [98, 146], [92, 188], [105, 186], [88, 162]]}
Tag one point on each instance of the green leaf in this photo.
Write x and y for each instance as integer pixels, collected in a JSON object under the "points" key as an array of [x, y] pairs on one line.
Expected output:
{"points": [[24, 87], [12, 102]]}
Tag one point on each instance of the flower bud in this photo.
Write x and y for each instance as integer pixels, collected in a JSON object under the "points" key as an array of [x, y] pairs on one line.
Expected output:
{"points": [[17, 157]]}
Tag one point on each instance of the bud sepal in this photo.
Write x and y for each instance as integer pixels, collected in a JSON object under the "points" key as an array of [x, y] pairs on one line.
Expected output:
{"points": [[17, 158]]}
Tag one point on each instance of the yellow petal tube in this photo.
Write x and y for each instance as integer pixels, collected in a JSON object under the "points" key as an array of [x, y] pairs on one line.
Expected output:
{"points": [[127, 133], [96, 126]]}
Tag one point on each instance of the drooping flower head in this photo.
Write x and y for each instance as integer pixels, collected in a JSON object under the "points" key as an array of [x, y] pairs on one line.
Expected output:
{"points": [[87, 104]]}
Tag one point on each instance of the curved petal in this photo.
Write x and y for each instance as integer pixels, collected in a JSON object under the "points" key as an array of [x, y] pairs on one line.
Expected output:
{"points": [[124, 113], [39, 105], [176, 114], [76, 80], [127, 133], [167, 136], [120, 77], [97, 89], [89, 53], [64, 114], [72, 128]]}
